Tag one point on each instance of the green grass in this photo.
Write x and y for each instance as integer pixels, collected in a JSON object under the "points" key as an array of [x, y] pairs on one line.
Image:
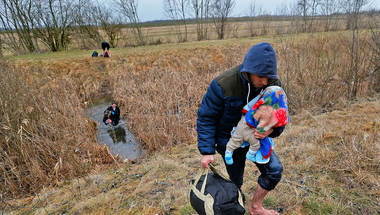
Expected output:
{"points": [[313, 206], [117, 52], [269, 201], [187, 210]]}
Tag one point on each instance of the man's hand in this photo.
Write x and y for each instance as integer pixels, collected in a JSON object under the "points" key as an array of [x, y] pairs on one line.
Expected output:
{"points": [[263, 135], [207, 159]]}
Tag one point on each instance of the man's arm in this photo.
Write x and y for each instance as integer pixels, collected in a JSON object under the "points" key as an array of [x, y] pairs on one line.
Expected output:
{"points": [[276, 132], [209, 112]]}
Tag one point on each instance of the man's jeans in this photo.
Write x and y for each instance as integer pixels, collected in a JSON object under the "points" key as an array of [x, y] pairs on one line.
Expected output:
{"points": [[270, 172]]}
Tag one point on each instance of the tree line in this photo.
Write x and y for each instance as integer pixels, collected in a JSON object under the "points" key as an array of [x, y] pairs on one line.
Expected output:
{"points": [[27, 24]]}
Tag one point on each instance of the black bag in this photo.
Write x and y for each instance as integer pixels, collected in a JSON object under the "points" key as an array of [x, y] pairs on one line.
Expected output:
{"points": [[213, 194], [95, 54]]}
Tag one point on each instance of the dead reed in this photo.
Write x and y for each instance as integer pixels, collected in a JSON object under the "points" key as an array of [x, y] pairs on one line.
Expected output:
{"points": [[330, 150], [45, 136]]}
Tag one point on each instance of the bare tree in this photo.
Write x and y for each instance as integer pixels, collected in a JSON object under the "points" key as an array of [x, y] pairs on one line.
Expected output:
{"points": [[353, 10], [129, 9], [328, 9], [253, 11], [54, 20], [304, 6], [201, 9], [296, 13], [88, 22], [314, 4], [111, 24], [15, 18], [176, 10], [221, 12]]}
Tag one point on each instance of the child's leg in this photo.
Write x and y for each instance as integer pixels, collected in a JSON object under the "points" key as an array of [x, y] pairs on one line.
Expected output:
{"points": [[254, 144], [251, 155], [235, 141]]}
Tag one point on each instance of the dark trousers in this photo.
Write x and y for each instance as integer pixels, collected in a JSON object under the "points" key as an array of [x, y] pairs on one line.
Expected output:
{"points": [[270, 172], [105, 46]]}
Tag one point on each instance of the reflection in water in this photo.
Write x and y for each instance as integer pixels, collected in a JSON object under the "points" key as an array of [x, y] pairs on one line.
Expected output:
{"points": [[117, 138], [117, 134]]}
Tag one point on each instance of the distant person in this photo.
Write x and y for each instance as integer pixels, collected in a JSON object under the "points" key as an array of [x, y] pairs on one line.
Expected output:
{"points": [[112, 114], [106, 49]]}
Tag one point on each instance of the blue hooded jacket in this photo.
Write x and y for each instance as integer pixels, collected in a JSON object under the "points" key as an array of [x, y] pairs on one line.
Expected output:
{"points": [[222, 105]]}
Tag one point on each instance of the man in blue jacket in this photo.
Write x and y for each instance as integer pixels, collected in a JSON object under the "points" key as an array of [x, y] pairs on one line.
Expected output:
{"points": [[221, 110]]}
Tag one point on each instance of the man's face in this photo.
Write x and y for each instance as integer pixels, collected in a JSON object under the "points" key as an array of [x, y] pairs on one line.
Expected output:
{"points": [[257, 81], [113, 105]]}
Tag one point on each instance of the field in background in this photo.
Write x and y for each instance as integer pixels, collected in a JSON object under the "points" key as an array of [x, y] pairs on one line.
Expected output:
{"points": [[157, 33], [330, 149]]}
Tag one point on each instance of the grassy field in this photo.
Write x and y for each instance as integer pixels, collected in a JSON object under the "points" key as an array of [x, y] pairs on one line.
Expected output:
{"points": [[156, 33], [330, 150]]}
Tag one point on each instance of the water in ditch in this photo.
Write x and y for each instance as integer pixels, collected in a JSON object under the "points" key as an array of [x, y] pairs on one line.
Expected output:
{"points": [[119, 140]]}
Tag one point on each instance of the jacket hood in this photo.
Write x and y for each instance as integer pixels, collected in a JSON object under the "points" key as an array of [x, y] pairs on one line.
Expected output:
{"points": [[260, 60]]}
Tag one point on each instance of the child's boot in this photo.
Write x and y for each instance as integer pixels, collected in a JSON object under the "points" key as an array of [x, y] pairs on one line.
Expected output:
{"points": [[228, 157], [251, 155], [260, 159]]}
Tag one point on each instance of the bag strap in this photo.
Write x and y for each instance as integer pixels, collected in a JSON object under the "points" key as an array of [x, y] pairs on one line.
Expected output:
{"points": [[217, 171], [204, 171], [201, 171]]}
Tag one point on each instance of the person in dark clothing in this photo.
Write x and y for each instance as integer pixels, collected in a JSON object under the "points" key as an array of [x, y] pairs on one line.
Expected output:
{"points": [[106, 49], [112, 114], [221, 109]]}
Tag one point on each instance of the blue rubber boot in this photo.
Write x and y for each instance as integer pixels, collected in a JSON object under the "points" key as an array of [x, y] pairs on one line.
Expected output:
{"points": [[251, 155], [228, 157], [260, 159]]}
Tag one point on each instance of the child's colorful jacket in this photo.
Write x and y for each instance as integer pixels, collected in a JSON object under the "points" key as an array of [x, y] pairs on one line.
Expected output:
{"points": [[269, 111]]}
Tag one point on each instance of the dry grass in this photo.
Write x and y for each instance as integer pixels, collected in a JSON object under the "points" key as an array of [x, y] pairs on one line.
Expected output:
{"points": [[330, 151], [45, 134]]}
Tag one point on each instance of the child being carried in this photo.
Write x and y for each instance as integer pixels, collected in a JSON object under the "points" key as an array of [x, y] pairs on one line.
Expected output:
{"points": [[267, 110]]}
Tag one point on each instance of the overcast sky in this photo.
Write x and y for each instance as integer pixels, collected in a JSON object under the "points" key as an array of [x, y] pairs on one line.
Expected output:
{"points": [[153, 9], [149, 10]]}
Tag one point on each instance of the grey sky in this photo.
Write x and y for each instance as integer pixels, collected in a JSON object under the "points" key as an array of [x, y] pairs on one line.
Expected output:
{"points": [[153, 10]]}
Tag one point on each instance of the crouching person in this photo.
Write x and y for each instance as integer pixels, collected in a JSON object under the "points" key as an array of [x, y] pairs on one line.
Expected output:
{"points": [[112, 114]]}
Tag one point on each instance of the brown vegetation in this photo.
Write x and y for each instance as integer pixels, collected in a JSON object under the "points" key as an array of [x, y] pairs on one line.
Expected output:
{"points": [[329, 150]]}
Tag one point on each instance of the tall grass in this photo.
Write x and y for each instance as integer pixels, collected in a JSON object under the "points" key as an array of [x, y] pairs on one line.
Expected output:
{"points": [[159, 92], [162, 91], [45, 136]]}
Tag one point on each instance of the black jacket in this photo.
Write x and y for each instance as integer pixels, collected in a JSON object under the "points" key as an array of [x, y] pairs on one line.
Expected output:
{"points": [[114, 115]]}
